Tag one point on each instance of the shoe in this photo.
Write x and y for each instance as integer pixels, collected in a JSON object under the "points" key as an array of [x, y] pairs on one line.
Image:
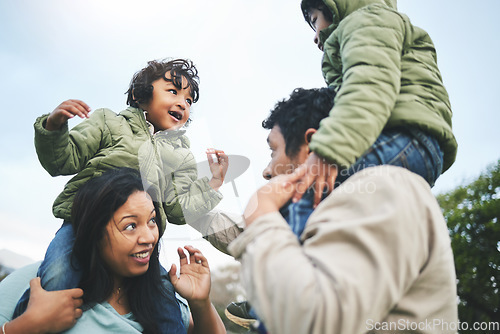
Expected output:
{"points": [[239, 314]]}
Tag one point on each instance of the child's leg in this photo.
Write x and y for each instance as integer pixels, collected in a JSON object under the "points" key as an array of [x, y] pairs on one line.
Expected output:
{"points": [[169, 312], [411, 149], [296, 214], [57, 272]]}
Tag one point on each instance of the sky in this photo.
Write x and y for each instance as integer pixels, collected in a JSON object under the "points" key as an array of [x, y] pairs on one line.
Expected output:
{"points": [[250, 54]]}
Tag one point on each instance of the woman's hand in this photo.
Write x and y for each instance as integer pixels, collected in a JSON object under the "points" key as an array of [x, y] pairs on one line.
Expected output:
{"points": [[194, 284], [48, 311], [66, 110], [218, 163], [194, 280]]}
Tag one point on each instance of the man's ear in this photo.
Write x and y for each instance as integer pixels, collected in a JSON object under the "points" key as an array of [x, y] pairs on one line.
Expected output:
{"points": [[308, 135]]}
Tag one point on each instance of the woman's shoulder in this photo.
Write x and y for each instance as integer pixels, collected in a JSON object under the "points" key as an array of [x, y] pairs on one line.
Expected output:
{"points": [[12, 288], [103, 318]]}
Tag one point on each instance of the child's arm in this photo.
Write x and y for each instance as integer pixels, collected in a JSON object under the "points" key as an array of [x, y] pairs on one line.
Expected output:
{"points": [[218, 163], [219, 228], [189, 198], [194, 285], [366, 57], [66, 110], [369, 86], [62, 151]]}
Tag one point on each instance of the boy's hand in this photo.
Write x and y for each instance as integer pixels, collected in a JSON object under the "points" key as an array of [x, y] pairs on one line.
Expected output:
{"points": [[315, 170], [218, 163], [66, 110], [194, 280]]}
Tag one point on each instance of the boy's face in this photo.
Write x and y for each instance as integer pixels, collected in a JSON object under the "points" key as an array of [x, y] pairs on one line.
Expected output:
{"points": [[169, 106], [280, 162], [318, 23]]}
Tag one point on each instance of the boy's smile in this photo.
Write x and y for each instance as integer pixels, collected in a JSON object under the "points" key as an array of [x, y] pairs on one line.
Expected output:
{"points": [[169, 107]]}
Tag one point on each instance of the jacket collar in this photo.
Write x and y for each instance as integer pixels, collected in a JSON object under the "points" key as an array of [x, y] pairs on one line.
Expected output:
{"points": [[138, 112]]}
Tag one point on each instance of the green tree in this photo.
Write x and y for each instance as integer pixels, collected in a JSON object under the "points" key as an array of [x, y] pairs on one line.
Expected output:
{"points": [[472, 213]]}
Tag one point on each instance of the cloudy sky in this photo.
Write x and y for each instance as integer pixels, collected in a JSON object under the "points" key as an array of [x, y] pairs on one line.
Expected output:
{"points": [[250, 54]]}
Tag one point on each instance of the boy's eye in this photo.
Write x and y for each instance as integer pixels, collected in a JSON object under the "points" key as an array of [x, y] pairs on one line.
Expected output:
{"points": [[173, 91], [313, 22], [153, 221], [189, 101]]}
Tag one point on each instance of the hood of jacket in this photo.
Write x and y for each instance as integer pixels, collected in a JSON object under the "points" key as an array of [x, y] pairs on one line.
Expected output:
{"points": [[342, 8]]}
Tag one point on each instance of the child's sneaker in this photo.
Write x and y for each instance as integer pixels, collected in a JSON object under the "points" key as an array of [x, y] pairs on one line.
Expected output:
{"points": [[239, 314]]}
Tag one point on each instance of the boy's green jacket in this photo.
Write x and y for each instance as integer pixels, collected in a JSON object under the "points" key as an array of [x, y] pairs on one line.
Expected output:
{"points": [[108, 140], [386, 73]]}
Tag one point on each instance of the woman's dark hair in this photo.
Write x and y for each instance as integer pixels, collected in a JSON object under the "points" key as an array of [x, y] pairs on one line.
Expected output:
{"points": [[94, 206], [308, 5], [303, 110], [141, 86]]}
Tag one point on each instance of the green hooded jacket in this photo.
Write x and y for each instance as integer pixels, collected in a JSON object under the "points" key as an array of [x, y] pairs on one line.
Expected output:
{"points": [[108, 140], [385, 70]]}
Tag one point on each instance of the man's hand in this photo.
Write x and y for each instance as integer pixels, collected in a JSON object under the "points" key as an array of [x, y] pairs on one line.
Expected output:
{"points": [[270, 197]]}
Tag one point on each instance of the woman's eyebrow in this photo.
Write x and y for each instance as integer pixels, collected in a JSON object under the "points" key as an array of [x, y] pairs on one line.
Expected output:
{"points": [[128, 216], [135, 216]]}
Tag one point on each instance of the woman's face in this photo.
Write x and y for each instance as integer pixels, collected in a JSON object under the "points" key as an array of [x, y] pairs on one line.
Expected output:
{"points": [[131, 236]]}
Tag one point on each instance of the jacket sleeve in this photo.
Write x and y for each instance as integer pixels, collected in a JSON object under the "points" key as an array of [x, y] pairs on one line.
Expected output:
{"points": [[219, 228], [361, 252], [66, 152], [370, 45], [188, 198]]}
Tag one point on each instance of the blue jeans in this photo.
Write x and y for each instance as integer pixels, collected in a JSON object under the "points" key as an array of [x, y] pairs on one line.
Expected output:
{"points": [[59, 271], [408, 148], [296, 214], [411, 149]]}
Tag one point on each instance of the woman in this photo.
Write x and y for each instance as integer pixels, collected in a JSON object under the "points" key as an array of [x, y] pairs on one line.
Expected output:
{"points": [[116, 247]]}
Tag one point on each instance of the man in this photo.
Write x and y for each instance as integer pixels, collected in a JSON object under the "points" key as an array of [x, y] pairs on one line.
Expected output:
{"points": [[375, 256], [292, 122]]}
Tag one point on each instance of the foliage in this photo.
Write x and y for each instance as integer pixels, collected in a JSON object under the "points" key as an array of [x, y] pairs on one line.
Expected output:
{"points": [[472, 213]]}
